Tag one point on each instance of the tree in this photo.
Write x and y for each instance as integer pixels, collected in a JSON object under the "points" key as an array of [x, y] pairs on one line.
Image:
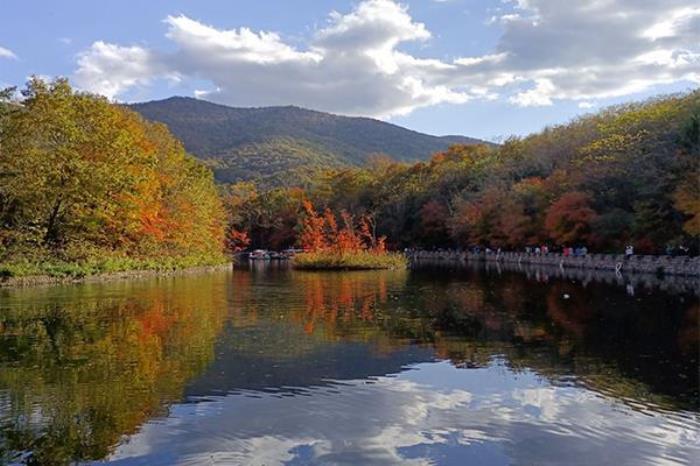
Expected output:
{"points": [[312, 235], [687, 200], [570, 218], [321, 233], [82, 175], [433, 223], [238, 240]]}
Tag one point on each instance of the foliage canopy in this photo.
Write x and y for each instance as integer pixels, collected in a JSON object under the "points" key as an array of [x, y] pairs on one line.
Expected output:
{"points": [[83, 177]]}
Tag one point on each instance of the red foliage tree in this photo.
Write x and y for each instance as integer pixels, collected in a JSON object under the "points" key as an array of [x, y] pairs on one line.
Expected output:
{"points": [[569, 219], [347, 240], [433, 219], [312, 236], [237, 240], [331, 227], [322, 232]]}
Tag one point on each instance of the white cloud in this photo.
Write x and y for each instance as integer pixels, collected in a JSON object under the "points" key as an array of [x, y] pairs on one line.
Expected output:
{"points": [[408, 418], [549, 50], [111, 69], [674, 22], [7, 53], [232, 46], [589, 50], [539, 96], [202, 93]]}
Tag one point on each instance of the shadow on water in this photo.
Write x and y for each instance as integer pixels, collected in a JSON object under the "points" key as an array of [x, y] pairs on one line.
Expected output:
{"points": [[452, 364]]}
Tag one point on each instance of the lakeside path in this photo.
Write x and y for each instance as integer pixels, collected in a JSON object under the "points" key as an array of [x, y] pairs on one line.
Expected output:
{"points": [[659, 265]]}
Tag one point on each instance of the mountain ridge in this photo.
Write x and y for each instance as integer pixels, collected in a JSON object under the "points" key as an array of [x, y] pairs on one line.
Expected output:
{"points": [[241, 143]]}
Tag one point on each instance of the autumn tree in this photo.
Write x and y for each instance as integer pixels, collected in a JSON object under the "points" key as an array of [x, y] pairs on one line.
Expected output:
{"points": [[81, 175], [522, 212], [433, 223], [347, 236], [269, 217], [237, 240], [687, 200], [569, 219], [312, 236], [348, 240]]}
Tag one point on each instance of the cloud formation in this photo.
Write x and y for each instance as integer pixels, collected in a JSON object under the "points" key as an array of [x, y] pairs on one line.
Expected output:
{"points": [[110, 69], [398, 420], [599, 49], [7, 53], [549, 50]]}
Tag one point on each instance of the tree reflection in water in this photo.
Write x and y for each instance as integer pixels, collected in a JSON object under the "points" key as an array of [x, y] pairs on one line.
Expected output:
{"points": [[597, 333], [83, 367]]}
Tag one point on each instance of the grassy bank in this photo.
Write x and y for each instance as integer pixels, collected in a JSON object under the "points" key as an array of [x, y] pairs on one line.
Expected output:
{"points": [[99, 265], [362, 260]]}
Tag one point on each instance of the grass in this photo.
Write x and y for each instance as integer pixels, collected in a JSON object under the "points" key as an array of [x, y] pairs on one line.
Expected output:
{"points": [[363, 260], [51, 267]]}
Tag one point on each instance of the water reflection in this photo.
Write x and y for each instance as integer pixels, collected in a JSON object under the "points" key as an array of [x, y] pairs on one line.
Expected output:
{"points": [[269, 366], [83, 366], [433, 413]]}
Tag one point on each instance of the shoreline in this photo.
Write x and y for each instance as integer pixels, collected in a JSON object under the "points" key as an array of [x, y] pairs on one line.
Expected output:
{"points": [[636, 264], [38, 280], [545, 273]]}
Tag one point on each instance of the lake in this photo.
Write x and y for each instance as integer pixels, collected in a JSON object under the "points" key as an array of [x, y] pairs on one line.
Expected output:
{"points": [[262, 365]]}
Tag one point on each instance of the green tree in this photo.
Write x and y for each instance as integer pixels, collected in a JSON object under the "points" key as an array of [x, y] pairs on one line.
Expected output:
{"points": [[82, 175]]}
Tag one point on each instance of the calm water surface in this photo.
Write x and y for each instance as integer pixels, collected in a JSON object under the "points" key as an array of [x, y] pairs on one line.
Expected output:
{"points": [[268, 366]]}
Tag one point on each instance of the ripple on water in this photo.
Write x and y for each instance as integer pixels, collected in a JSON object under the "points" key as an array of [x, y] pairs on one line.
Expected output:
{"points": [[280, 367]]}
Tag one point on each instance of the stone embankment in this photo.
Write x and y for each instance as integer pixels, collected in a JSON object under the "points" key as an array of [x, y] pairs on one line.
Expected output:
{"points": [[660, 265]]}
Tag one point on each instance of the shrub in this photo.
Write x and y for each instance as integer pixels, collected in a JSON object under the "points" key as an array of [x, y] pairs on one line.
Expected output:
{"points": [[359, 260]]}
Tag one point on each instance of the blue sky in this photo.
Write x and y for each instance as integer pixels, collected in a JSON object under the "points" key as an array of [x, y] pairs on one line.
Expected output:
{"points": [[474, 67]]}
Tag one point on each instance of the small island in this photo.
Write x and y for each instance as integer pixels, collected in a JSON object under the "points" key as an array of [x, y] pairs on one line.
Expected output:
{"points": [[353, 245], [359, 260]]}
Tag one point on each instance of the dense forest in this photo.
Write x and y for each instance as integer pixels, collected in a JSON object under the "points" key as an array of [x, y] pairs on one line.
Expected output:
{"points": [[626, 175], [284, 146], [87, 181]]}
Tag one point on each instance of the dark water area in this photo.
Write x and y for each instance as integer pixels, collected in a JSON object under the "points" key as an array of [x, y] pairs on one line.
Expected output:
{"points": [[267, 366]]}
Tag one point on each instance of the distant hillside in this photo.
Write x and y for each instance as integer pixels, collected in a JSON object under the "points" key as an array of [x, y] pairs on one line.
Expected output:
{"points": [[285, 144]]}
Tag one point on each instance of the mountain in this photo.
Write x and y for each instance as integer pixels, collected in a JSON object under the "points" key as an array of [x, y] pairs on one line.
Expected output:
{"points": [[285, 144]]}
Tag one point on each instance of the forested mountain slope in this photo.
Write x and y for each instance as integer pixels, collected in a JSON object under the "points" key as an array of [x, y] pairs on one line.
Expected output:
{"points": [[626, 175], [284, 144]]}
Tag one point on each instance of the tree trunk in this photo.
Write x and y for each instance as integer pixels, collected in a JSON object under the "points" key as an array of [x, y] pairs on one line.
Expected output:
{"points": [[52, 235]]}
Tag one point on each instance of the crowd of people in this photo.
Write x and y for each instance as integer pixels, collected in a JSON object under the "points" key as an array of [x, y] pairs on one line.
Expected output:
{"points": [[566, 251]]}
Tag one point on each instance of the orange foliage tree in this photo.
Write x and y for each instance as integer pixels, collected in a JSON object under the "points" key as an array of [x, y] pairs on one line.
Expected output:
{"points": [[687, 201], [313, 236], [237, 240], [82, 177], [569, 219], [477, 221], [322, 232]]}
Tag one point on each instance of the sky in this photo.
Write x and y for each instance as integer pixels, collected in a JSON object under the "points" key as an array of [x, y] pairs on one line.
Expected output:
{"points": [[480, 68]]}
